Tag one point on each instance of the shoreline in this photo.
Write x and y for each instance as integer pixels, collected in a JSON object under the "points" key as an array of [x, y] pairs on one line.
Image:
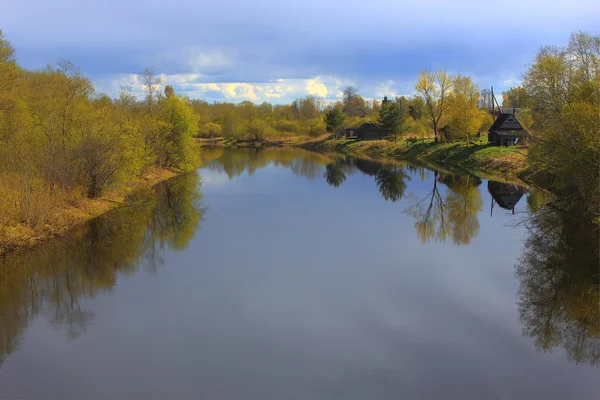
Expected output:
{"points": [[73, 213], [488, 162]]}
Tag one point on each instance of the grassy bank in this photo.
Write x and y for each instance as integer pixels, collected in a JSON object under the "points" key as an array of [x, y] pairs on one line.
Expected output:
{"points": [[479, 159], [507, 163], [72, 211]]}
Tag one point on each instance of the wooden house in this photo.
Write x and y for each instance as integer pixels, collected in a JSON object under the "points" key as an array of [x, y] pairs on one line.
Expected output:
{"points": [[367, 131], [507, 131]]}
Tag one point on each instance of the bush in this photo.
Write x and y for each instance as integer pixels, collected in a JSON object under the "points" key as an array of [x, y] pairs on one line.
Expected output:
{"points": [[26, 200], [287, 126], [210, 130]]}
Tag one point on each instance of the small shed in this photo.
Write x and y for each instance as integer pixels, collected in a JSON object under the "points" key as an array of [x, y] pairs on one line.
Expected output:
{"points": [[507, 131], [367, 131]]}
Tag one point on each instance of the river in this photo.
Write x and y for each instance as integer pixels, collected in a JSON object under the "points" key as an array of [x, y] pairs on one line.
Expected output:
{"points": [[284, 274]]}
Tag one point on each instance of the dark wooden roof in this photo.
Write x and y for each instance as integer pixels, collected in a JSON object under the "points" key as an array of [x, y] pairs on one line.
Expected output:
{"points": [[506, 122], [366, 125]]}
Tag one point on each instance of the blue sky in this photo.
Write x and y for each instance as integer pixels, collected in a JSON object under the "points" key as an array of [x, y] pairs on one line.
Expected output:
{"points": [[278, 50]]}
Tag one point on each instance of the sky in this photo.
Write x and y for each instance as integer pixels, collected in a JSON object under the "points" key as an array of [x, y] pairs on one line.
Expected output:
{"points": [[279, 50]]}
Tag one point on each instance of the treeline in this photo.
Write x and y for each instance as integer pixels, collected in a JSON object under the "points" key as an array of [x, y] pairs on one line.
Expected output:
{"points": [[60, 141], [303, 117], [561, 95]]}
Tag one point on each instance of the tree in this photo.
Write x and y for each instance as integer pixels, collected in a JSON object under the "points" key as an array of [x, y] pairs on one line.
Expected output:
{"points": [[416, 108], [515, 97], [150, 83], [307, 108], [178, 125], [352, 102], [392, 116], [485, 99], [169, 91], [563, 87], [465, 118], [334, 120], [434, 89]]}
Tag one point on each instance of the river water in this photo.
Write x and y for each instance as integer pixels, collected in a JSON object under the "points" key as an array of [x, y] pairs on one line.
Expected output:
{"points": [[284, 274]]}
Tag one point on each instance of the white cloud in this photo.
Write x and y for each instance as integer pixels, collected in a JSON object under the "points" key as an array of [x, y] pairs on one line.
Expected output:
{"points": [[278, 90], [386, 89], [316, 88]]}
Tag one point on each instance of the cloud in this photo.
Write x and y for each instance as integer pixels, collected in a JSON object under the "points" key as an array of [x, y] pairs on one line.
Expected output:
{"points": [[386, 89], [264, 43], [316, 88], [193, 85]]}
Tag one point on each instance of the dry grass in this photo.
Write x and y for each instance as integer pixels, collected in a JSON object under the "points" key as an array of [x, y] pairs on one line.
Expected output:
{"points": [[30, 212]]}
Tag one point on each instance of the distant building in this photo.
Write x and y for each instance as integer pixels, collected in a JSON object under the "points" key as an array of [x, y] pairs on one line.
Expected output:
{"points": [[367, 131], [507, 131]]}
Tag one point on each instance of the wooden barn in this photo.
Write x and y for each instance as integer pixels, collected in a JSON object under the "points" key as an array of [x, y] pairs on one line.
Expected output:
{"points": [[507, 131], [367, 131]]}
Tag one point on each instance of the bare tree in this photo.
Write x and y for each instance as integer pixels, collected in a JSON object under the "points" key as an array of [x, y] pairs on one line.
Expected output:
{"points": [[151, 82], [75, 87]]}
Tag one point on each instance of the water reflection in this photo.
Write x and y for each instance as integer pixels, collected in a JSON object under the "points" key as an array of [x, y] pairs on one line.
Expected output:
{"points": [[53, 278], [334, 174], [505, 195], [452, 213], [560, 293], [558, 270]]}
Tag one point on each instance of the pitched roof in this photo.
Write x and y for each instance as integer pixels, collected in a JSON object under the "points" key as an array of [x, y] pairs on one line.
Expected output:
{"points": [[506, 122], [366, 125]]}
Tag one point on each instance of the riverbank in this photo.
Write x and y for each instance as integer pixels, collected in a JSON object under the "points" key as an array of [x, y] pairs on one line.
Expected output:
{"points": [[505, 163], [74, 211]]}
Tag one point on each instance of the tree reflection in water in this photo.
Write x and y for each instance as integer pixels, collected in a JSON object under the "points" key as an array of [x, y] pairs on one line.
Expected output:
{"points": [[559, 297], [558, 270], [53, 278], [451, 213]]}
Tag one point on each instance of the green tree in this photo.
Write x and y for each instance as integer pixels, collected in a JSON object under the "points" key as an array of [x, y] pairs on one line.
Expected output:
{"points": [[416, 108], [178, 126], [392, 117], [563, 87], [515, 97], [334, 120]]}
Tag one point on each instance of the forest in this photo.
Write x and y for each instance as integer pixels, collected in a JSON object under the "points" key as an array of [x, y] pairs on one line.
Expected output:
{"points": [[60, 141]]}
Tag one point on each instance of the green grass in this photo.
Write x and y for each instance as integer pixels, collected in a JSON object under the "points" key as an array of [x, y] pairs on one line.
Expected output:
{"points": [[480, 159]]}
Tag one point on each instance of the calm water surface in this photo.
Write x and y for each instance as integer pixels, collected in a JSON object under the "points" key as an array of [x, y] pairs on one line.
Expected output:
{"points": [[282, 274]]}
